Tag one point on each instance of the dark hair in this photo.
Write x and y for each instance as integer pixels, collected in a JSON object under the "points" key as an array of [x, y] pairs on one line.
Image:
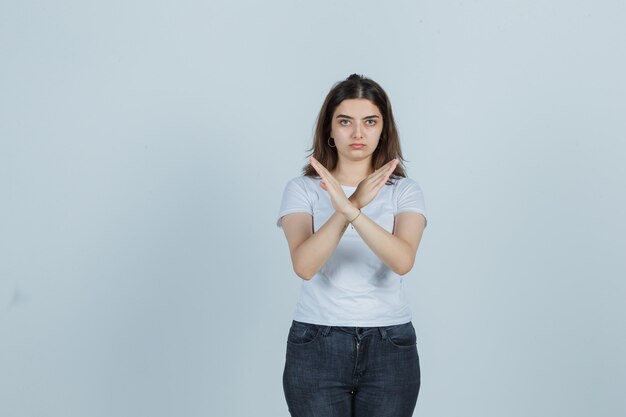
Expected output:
{"points": [[353, 87]]}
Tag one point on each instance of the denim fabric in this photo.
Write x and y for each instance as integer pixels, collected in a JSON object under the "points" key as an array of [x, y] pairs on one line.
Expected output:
{"points": [[351, 371]]}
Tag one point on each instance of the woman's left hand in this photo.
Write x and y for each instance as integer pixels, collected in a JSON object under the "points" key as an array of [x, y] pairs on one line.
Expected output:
{"points": [[341, 203]]}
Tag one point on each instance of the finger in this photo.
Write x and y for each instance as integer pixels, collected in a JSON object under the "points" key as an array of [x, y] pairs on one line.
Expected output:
{"points": [[394, 165], [391, 169], [381, 171], [383, 180], [391, 162], [390, 172], [325, 174], [314, 163], [321, 168], [326, 181], [376, 174], [382, 168]]}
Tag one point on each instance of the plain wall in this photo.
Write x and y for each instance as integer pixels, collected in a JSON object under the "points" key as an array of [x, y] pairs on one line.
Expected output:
{"points": [[144, 148]]}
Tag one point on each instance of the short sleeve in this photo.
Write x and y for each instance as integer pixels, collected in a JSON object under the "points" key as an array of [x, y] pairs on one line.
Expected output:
{"points": [[295, 200], [409, 197]]}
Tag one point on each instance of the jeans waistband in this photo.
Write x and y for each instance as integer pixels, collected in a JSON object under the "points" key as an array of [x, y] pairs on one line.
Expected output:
{"points": [[356, 331]]}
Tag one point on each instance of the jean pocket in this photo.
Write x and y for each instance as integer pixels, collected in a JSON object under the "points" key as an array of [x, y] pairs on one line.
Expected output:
{"points": [[303, 333], [402, 335]]}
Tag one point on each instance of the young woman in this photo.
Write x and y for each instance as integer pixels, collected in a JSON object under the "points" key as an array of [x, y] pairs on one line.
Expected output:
{"points": [[353, 223]]}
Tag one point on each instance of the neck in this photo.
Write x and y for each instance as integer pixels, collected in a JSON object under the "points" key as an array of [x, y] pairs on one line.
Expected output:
{"points": [[352, 172]]}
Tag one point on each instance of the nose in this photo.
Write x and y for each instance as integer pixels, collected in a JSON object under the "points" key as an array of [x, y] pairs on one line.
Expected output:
{"points": [[357, 132]]}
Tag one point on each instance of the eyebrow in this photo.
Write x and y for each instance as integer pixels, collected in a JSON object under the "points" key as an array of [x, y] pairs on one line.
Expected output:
{"points": [[345, 116]]}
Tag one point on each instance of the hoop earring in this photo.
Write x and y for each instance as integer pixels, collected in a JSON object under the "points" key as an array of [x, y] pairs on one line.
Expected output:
{"points": [[328, 141]]}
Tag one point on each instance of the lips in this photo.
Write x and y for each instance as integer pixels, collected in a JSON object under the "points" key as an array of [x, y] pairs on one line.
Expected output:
{"points": [[357, 145]]}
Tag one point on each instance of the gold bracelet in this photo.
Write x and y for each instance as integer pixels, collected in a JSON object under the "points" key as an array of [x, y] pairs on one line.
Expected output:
{"points": [[350, 221]]}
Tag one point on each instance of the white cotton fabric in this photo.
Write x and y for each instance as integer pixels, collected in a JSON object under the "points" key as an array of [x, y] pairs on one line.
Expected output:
{"points": [[354, 287]]}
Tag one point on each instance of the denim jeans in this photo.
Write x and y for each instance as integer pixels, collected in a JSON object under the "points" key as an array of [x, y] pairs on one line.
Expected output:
{"points": [[351, 371]]}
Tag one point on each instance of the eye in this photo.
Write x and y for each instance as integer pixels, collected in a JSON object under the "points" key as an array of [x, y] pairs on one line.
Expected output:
{"points": [[344, 122], [370, 122]]}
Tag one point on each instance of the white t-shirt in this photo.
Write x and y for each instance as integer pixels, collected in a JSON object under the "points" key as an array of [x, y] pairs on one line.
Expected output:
{"points": [[354, 287]]}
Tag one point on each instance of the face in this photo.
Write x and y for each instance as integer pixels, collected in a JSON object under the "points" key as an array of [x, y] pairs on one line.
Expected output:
{"points": [[356, 127]]}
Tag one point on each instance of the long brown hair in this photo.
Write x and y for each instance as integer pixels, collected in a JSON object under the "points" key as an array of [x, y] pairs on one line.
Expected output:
{"points": [[356, 86]]}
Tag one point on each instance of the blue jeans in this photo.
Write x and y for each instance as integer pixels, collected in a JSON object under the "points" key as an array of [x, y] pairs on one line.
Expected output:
{"points": [[351, 371]]}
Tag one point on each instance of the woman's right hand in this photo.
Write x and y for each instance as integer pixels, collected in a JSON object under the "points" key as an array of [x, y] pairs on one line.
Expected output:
{"points": [[368, 189]]}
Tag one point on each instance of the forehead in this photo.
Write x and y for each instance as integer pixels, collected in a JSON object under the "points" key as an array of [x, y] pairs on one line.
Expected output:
{"points": [[357, 107]]}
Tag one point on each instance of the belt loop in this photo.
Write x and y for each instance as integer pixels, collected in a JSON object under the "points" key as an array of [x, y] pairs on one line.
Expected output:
{"points": [[383, 333], [326, 330]]}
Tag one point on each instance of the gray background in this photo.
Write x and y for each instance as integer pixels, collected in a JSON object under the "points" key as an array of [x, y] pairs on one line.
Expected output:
{"points": [[144, 148]]}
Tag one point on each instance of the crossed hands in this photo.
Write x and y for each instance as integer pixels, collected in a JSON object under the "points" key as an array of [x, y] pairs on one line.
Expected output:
{"points": [[365, 192]]}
